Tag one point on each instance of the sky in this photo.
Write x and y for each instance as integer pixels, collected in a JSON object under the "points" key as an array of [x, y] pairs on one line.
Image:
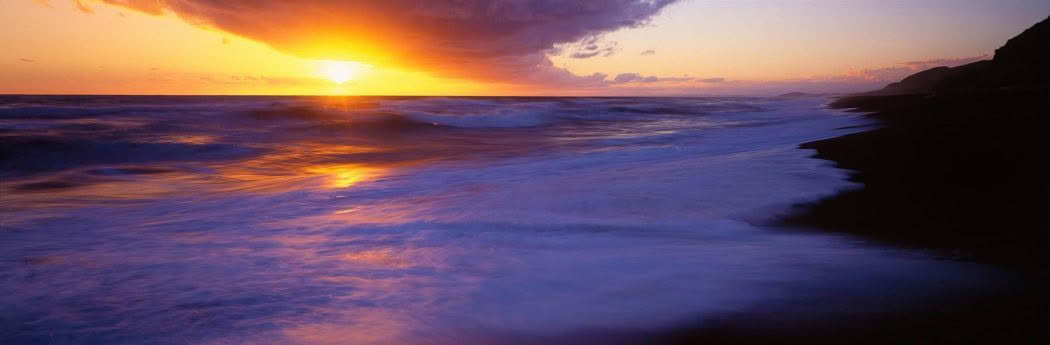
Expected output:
{"points": [[491, 47]]}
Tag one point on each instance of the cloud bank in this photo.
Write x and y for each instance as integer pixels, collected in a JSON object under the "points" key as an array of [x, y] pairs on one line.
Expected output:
{"points": [[490, 40], [626, 78]]}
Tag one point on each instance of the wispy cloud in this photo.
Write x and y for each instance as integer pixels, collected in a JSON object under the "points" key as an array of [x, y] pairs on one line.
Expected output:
{"points": [[607, 51], [950, 62], [294, 81], [866, 79], [904, 69], [82, 7], [648, 52], [584, 49], [250, 79], [26, 60], [625, 78]]}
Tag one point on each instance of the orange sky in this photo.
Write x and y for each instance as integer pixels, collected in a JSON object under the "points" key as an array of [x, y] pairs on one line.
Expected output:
{"points": [[685, 48]]}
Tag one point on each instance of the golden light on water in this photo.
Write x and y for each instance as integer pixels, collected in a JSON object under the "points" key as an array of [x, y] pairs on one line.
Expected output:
{"points": [[343, 176]]}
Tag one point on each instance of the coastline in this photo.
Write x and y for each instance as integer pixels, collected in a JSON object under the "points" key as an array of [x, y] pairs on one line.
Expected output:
{"points": [[960, 174], [957, 164]]}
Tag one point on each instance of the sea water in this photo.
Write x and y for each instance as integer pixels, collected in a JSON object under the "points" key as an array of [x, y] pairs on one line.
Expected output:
{"points": [[422, 220]]}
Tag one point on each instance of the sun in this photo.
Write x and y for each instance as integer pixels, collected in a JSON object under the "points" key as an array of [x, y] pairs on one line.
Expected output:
{"points": [[340, 71]]}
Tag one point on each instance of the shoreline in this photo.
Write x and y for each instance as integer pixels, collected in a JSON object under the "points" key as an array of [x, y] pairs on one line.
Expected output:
{"points": [[958, 176], [961, 175]]}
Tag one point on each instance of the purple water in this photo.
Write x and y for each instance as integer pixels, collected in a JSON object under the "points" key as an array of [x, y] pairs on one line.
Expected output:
{"points": [[285, 220]]}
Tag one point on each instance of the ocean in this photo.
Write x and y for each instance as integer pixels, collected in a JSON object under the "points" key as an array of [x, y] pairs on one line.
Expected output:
{"points": [[425, 220]]}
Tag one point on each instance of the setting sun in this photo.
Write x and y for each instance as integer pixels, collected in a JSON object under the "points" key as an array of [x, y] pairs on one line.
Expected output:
{"points": [[340, 71]]}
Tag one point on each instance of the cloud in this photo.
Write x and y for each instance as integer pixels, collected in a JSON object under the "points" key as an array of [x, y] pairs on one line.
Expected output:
{"points": [[624, 78], [293, 81], [866, 79], [583, 55], [584, 49], [250, 80], [26, 60], [904, 69], [950, 62], [490, 40], [607, 51], [81, 7], [648, 52], [677, 79], [893, 73]]}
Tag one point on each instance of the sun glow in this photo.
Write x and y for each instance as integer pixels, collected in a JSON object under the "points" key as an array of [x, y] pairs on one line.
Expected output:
{"points": [[341, 71]]}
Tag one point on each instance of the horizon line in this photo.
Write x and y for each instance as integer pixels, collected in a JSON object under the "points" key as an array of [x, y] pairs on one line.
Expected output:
{"points": [[408, 95]]}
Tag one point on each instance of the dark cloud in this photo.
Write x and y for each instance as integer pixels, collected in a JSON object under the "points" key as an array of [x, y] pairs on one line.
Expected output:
{"points": [[711, 80], [607, 51], [495, 40], [648, 52], [626, 77]]}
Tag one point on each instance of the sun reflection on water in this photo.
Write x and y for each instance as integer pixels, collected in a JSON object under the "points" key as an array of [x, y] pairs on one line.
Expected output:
{"points": [[345, 175]]}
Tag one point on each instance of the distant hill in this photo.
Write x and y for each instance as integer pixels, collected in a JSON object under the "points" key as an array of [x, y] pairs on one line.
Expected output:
{"points": [[1024, 61]]}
